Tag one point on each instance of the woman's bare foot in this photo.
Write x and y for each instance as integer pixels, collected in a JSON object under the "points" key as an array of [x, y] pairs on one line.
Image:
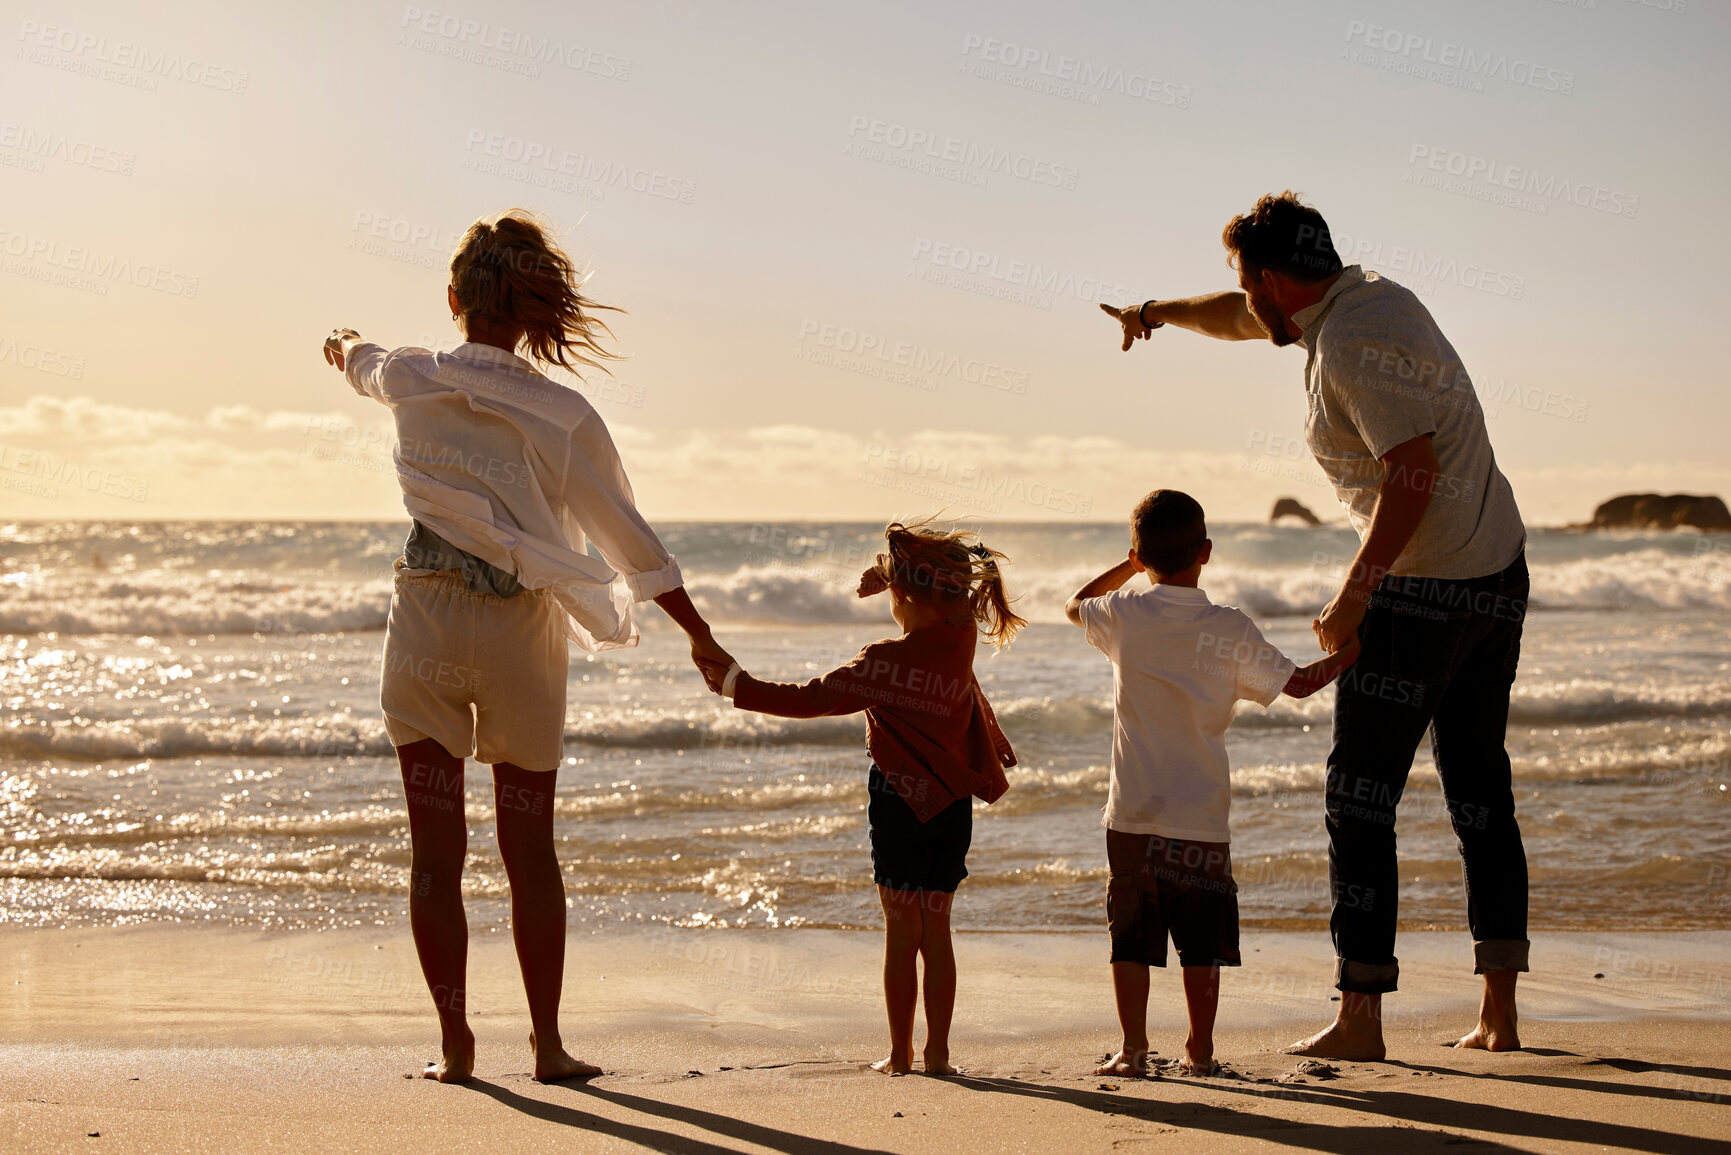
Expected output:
{"points": [[893, 1066], [1128, 1063], [458, 1063], [554, 1065]]}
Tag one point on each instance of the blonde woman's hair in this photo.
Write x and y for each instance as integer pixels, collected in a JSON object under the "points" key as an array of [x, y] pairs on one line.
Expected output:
{"points": [[951, 569], [510, 270]]}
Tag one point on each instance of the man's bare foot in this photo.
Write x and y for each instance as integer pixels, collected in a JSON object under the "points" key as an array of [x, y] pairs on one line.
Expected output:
{"points": [[938, 1063], [1344, 1039], [554, 1065], [458, 1063], [1130, 1063], [893, 1066], [1497, 1029]]}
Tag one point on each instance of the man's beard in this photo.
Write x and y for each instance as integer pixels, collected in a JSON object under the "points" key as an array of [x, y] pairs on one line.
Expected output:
{"points": [[1270, 319]]}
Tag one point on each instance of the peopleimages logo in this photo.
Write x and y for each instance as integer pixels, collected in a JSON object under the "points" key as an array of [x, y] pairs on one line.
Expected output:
{"points": [[562, 162], [464, 33], [1458, 58], [1073, 73], [966, 154], [87, 269], [1528, 188], [977, 265], [84, 46]]}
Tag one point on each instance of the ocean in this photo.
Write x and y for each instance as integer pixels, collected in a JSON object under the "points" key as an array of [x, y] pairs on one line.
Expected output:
{"points": [[192, 735]]}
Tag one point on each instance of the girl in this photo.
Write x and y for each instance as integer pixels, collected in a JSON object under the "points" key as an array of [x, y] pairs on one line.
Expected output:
{"points": [[934, 744], [508, 477]]}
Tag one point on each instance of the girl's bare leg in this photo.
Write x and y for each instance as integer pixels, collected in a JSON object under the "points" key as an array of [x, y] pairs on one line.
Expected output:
{"points": [[523, 804], [903, 931], [439, 842], [939, 956]]}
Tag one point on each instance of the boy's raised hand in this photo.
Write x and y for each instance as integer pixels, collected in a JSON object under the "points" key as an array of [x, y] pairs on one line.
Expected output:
{"points": [[872, 582]]}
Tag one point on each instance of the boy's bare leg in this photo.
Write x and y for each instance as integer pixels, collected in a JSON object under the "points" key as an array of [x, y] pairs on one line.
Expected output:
{"points": [[939, 955], [1498, 1022], [903, 933], [1130, 990], [1355, 1034], [439, 842], [1201, 1000], [523, 805]]}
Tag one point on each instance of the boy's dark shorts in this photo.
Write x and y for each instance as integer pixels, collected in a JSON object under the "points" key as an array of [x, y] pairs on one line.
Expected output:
{"points": [[908, 854], [1163, 885]]}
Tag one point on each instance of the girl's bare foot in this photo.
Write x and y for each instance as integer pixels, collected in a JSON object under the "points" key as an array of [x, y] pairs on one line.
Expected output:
{"points": [[893, 1066], [1128, 1063], [554, 1065], [458, 1063], [938, 1063]]}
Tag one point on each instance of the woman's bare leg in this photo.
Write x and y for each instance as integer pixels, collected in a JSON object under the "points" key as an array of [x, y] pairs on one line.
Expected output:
{"points": [[903, 931], [439, 842], [939, 955], [523, 803]]}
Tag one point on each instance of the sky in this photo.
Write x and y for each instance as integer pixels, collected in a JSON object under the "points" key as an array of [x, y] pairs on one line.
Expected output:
{"points": [[860, 247]]}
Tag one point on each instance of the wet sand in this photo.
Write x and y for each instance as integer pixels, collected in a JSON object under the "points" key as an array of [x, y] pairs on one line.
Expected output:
{"points": [[221, 1039]]}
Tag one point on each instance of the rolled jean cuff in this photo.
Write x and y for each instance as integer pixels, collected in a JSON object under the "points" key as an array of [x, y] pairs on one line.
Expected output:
{"points": [[1500, 954], [1366, 978]]}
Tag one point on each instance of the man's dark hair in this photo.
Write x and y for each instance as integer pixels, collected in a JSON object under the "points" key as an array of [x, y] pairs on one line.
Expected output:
{"points": [[1167, 531], [1282, 234]]}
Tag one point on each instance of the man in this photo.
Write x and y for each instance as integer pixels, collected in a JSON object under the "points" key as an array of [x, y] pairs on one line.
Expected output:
{"points": [[1436, 594]]}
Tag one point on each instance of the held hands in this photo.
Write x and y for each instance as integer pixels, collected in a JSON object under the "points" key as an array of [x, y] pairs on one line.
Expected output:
{"points": [[711, 661], [1130, 317], [334, 346], [1337, 628]]}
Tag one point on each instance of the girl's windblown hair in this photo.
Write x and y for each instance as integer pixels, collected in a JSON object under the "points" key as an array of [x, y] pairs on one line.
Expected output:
{"points": [[951, 568], [510, 270]]}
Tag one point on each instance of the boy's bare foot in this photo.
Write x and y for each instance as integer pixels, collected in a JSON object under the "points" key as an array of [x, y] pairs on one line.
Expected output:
{"points": [[1344, 1039], [458, 1063], [1128, 1063], [1198, 1062], [554, 1065], [893, 1066]]}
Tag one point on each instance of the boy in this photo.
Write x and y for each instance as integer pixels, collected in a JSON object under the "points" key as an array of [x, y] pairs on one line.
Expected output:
{"points": [[1179, 666]]}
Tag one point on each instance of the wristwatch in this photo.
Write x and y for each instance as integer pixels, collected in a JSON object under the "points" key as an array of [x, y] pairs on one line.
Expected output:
{"points": [[1142, 314]]}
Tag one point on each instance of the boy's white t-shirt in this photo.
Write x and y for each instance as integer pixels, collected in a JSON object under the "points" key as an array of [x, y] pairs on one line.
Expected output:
{"points": [[1179, 666]]}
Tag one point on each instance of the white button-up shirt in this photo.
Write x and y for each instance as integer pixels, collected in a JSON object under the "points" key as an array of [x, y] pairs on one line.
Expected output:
{"points": [[1379, 374], [521, 472]]}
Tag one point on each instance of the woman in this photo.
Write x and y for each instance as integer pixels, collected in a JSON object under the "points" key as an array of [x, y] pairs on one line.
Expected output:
{"points": [[508, 476]]}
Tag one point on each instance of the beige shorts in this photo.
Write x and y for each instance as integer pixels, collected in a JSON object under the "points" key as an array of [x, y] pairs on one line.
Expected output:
{"points": [[484, 676]]}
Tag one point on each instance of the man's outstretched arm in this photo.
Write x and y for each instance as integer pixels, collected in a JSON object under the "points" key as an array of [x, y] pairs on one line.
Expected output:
{"points": [[1223, 316]]}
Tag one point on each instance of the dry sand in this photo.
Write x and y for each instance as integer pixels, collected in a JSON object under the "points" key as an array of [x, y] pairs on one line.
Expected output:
{"points": [[195, 1039]]}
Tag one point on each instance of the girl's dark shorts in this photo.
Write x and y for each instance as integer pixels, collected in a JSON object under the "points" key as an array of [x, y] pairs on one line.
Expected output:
{"points": [[1164, 886], [908, 854]]}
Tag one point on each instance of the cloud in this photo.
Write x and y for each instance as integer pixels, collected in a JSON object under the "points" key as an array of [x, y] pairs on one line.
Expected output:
{"points": [[62, 457], [85, 419]]}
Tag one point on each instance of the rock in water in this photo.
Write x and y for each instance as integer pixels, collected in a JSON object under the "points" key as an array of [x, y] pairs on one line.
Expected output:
{"points": [[1292, 507], [1661, 511]]}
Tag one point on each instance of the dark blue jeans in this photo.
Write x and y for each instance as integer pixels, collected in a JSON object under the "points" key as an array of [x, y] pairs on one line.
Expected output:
{"points": [[1437, 655]]}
